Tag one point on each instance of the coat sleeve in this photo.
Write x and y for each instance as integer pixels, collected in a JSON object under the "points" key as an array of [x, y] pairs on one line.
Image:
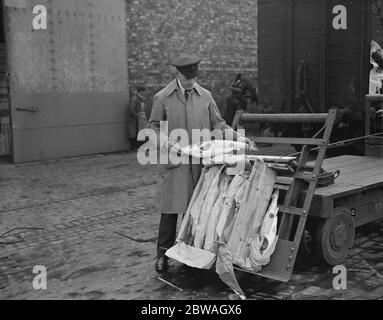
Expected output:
{"points": [[157, 115], [216, 120]]}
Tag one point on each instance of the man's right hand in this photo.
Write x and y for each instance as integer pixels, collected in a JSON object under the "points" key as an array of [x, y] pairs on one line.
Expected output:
{"points": [[175, 148]]}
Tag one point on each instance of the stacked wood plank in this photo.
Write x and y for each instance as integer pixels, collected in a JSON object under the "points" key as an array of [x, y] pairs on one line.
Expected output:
{"points": [[238, 211], [251, 214]]}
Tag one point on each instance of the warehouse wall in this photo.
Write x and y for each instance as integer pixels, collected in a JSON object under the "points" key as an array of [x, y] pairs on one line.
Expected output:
{"points": [[223, 32], [68, 82]]}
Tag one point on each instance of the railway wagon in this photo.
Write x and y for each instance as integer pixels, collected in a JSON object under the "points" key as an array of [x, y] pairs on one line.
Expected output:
{"points": [[314, 62], [315, 55]]}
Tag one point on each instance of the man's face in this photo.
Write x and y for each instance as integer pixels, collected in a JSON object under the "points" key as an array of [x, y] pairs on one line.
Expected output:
{"points": [[139, 95], [185, 82]]}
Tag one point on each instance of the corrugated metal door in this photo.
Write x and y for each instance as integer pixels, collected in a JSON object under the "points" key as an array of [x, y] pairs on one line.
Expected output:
{"points": [[306, 42], [272, 43], [68, 83], [289, 32]]}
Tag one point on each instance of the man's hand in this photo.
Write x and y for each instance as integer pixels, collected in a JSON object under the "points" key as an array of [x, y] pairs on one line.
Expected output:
{"points": [[246, 140], [175, 148], [379, 113], [250, 144]]}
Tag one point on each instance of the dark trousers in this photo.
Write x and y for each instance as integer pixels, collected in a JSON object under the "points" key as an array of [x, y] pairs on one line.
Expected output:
{"points": [[134, 144], [166, 233]]}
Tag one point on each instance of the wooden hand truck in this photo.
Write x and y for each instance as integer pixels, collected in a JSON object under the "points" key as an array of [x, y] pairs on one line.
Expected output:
{"points": [[292, 218]]}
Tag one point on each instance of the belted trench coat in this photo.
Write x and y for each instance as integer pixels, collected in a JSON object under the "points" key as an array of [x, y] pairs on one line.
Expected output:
{"points": [[176, 183]]}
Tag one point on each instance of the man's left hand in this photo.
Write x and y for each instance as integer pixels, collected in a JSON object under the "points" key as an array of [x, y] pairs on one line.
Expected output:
{"points": [[246, 140], [250, 144]]}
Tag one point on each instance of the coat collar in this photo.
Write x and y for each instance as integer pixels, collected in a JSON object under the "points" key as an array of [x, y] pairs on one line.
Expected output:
{"points": [[173, 86]]}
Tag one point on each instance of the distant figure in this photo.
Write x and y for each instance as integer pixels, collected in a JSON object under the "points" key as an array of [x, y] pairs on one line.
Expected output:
{"points": [[137, 116], [243, 95], [236, 101]]}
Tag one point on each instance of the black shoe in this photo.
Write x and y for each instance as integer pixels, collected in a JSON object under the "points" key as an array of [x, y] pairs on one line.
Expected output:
{"points": [[161, 264]]}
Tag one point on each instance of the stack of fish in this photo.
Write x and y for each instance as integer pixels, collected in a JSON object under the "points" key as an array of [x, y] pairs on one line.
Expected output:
{"points": [[214, 202], [237, 211], [232, 216]]}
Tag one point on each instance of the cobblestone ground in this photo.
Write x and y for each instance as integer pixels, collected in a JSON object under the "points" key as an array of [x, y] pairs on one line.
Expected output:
{"points": [[81, 202]]}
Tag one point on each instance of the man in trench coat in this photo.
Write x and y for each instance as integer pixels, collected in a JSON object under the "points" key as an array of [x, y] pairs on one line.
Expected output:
{"points": [[184, 105]]}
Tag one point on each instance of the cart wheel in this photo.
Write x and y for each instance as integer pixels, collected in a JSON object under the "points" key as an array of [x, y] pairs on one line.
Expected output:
{"points": [[334, 237]]}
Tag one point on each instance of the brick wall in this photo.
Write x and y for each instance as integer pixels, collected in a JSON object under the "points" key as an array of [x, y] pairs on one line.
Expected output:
{"points": [[222, 32]]}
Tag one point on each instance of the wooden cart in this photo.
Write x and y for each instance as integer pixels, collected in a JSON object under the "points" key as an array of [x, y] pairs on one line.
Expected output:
{"points": [[332, 212]]}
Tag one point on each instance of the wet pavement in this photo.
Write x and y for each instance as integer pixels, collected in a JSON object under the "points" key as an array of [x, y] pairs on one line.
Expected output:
{"points": [[80, 203]]}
